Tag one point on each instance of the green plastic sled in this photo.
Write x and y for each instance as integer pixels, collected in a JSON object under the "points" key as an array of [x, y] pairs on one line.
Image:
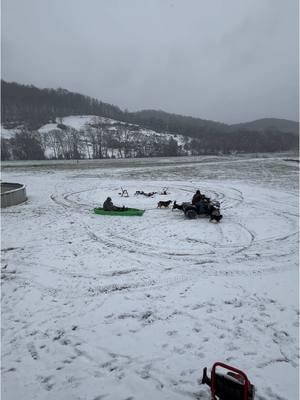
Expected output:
{"points": [[130, 212]]}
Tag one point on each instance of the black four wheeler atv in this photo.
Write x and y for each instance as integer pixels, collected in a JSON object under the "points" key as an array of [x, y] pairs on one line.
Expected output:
{"points": [[207, 209]]}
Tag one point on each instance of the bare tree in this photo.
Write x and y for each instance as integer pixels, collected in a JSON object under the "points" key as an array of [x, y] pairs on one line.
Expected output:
{"points": [[26, 146], [5, 153]]}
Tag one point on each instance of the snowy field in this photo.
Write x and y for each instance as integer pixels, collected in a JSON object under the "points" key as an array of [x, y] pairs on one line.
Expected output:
{"points": [[123, 308]]}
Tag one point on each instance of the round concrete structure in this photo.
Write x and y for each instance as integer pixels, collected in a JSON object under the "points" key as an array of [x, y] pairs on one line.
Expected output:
{"points": [[12, 194]]}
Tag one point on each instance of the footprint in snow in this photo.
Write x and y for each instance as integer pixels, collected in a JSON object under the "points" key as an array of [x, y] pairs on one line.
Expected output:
{"points": [[46, 382], [171, 333], [32, 350], [60, 333], [178, 350]]}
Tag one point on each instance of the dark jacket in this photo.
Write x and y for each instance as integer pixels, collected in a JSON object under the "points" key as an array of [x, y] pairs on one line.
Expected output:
{"points": [[197, 198], [108, 205]]}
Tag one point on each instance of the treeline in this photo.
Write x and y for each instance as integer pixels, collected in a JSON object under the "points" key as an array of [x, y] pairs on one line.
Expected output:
{"points": [[32, 107], [161, 121], [29, 108], [245, 141], [96, 142]]}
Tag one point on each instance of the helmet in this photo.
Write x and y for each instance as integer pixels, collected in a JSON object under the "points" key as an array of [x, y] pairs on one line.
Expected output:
{"points": [[109, 199]]}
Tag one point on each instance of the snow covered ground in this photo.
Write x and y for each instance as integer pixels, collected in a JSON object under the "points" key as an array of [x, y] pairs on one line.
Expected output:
{"points": [[116, 308]]}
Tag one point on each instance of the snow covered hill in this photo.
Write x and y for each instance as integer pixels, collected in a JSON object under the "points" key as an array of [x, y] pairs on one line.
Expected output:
{"points": [[65, 125], [7, 133], [90, 136], [94, 137]]}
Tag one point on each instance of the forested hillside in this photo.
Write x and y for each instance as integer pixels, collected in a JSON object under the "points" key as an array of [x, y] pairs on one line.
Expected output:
{"points": [[281, 125], [33, 107], [148, 133]]}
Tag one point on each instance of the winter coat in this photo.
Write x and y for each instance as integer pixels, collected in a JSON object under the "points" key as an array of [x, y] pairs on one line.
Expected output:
{"points": [[197, 198], [108, 206]]}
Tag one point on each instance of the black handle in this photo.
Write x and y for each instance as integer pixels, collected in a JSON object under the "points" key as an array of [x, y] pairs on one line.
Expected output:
{"points": [[205, 378]]}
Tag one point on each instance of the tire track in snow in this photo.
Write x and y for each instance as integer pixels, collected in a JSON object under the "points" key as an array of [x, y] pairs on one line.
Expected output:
{"points": [[133, 244]]}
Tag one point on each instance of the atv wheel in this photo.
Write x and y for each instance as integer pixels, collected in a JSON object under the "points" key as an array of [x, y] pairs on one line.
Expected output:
{"points": [[191, 214]]}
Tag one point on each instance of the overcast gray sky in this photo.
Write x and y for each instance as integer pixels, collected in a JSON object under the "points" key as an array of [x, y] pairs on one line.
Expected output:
{"points": [[225, 60]]}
